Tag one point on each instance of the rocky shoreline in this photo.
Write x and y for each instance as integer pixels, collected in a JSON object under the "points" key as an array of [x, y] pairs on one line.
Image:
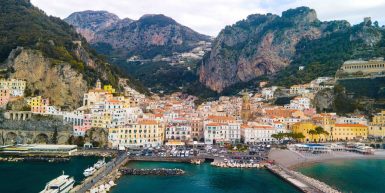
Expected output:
{"points": [[155, 172]]}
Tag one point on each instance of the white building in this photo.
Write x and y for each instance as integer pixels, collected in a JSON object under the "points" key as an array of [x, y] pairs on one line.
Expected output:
{"points": [[299, 103], [215, 133], [178, 129], [258, 134], [352, 120]]}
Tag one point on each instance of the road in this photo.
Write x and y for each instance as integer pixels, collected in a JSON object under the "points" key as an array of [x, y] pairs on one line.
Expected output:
{"points": [[89, 182]]}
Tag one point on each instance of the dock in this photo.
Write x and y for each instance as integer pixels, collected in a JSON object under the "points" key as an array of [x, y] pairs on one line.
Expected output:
{"points": [[304, 183], [110, 169]]}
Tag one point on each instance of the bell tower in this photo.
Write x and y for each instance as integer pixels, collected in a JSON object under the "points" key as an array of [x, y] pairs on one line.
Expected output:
{"points": [[246, 109]]}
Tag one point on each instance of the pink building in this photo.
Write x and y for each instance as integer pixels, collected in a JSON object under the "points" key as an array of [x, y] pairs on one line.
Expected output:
{"points": [[83, 125], [4, 96]]}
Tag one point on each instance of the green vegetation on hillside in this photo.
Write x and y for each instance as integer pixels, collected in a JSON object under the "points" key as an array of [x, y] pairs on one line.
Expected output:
{"points": [[22, 24], [324, 56]]}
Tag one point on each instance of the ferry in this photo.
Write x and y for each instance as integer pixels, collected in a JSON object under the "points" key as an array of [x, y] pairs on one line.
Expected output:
{"points": [[89, 171], [61, 184], [99, 164]]}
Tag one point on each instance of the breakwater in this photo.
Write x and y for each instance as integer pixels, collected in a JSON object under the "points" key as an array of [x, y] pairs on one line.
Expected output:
{"points": [[194, 160], [35, 159], [302, 182], [155, 172]]}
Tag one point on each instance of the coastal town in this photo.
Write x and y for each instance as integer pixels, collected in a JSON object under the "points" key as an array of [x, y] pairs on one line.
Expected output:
{"points": [[244, 131], [192, 96], [132, 120]]}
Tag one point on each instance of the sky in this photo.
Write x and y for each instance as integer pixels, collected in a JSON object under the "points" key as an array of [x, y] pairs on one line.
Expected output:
{"points": [[210, 16]]}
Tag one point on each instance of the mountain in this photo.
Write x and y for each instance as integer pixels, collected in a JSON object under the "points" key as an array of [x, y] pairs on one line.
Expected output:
{"points": [[89, 22], [145, 38], [273, 47], [56, 61]]}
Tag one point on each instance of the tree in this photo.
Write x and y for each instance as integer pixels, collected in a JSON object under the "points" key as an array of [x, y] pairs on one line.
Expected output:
{"points": [[312, 133], [296, 136], [54, 136], [321, 131], [278, 136]]}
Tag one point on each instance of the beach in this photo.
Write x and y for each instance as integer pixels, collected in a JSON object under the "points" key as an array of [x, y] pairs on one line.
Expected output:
{"points": [[292, 159]]}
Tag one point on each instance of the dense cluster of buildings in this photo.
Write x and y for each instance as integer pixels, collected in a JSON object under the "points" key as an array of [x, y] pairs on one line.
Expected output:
{"points": [[133, 120], [11, 89]]}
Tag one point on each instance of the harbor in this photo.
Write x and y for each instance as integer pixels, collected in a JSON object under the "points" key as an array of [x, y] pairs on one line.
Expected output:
{"points": [[154, 171]]}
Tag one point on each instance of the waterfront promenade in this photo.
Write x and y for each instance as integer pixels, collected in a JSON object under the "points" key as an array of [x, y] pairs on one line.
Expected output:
{"points": [[111, 167]]}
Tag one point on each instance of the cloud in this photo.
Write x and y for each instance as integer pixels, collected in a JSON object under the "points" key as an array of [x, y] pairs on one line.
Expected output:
{"points": [[210, 16]]}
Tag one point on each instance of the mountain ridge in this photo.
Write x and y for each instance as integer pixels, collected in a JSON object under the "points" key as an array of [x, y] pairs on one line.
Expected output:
{"points": [[147, 37]]}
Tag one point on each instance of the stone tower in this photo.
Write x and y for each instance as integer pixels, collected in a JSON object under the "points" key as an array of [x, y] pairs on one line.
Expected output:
{"points": [[98, 84], [246, 109]]}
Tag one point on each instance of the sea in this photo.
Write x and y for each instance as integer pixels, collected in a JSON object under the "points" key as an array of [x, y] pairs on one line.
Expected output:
{"points": [[31, 177], [353, 176]]}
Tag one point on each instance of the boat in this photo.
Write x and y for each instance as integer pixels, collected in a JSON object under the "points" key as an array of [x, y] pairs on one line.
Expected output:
{"points": [[89, 171], [61, 184], [111, 183], [99, 164]]}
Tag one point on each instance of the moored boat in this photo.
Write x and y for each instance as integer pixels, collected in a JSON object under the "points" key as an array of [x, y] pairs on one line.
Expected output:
{"points": [[61, 184], [100, 164], [89, 171]]}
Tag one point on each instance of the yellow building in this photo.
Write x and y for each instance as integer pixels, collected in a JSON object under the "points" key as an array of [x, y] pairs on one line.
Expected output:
{"points": [[108, 88], [101, 120], [346, 132], [38, 104], [377, 126], [305, 128], [379, 119], [145, 133], [376, 131]]}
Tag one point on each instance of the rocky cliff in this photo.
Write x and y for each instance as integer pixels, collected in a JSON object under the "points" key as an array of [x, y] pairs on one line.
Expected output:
{"points": [[62, 84], [147, 37], [260, 45], [49, 54], [89, 22]]}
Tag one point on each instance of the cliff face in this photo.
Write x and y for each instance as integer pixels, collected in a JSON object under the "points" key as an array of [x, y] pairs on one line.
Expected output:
{"points": [[63, 85], [259, 45], [90, 22], [147, 37]]}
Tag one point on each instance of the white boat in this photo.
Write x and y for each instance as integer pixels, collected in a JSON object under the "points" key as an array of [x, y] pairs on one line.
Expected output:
{"points": [[111, 183], [89, 171], [100, 164], [61, 184]]}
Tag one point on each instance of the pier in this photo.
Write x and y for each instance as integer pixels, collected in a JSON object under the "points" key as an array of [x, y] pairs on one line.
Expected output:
{"points": [[106, 173], [302, 182]]}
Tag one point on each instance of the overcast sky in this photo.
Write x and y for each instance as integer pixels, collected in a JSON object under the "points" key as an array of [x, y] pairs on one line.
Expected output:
{"points": [[210, 16]]}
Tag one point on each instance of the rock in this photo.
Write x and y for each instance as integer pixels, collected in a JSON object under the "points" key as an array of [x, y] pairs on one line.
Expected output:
{"points": [[147, 37], [59, 82], [324, 100], [260, 45]]}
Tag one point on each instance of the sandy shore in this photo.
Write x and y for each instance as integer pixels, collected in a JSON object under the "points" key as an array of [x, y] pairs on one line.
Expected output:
{"points": [[294, 160]]}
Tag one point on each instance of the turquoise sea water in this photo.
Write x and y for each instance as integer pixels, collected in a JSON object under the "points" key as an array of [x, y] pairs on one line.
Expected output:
{"points": [[353, 176], [31, 177], [202, 179]]}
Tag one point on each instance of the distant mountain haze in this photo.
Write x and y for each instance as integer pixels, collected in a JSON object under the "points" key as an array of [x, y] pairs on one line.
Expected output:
{"points": [[260, 45], [151, 35]]}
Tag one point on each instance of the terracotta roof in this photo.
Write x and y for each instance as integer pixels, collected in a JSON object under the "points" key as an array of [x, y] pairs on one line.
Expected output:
{"points": [[113, 101], [214, 124], [147, 122], [244, 126], [222, 118], [263, 127]]}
